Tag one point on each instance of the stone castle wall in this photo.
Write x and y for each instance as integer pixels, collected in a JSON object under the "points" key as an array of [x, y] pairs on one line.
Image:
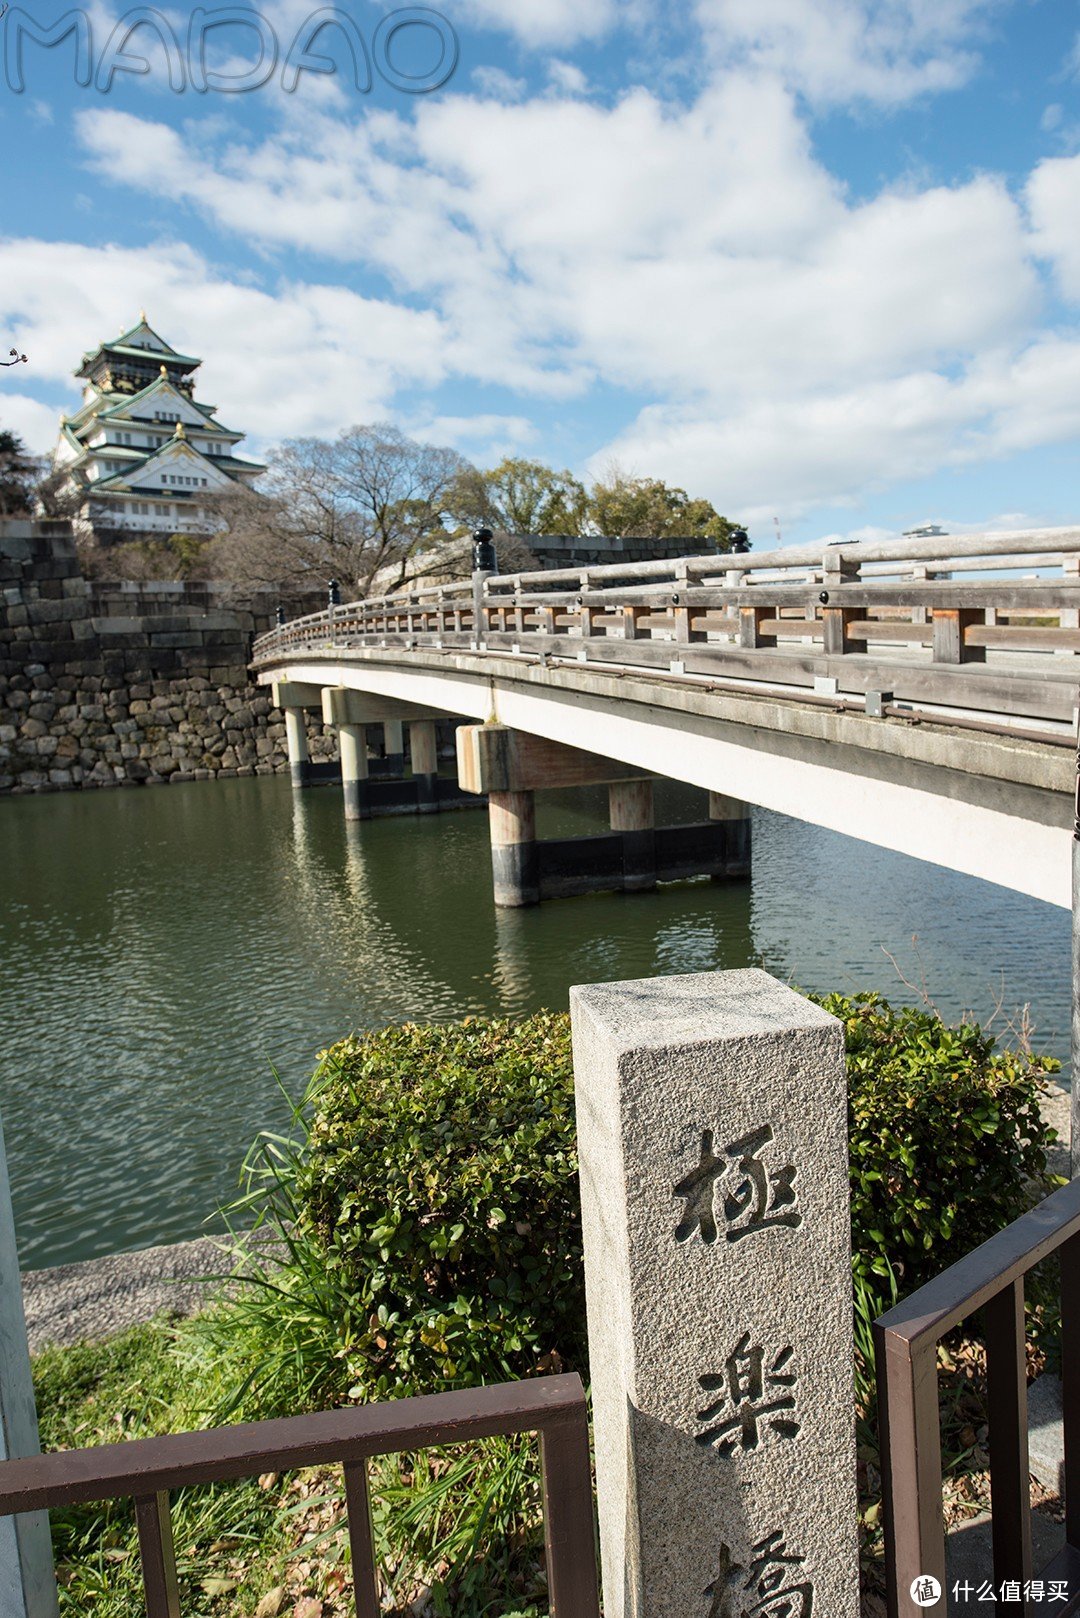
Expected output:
{"points": [[105, 685]]}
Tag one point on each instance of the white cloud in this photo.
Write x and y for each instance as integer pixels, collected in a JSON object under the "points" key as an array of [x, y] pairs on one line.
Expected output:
{"points": [[796, 347], [1053, 201], [303, 359], [702, 252], [499, 85], [567, 77], [486, 438], [827, 448], [841, 51], [541, 22], [34, 422]]}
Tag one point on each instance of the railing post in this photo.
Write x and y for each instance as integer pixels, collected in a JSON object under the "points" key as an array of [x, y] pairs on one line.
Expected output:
{"points": [[910, 1443], [158, 1556], [568, 1519], [949, 626], [750, 622], [835, 638], [1006, 1375], [27, 1578], [1070, 1384], [358, 1509]]}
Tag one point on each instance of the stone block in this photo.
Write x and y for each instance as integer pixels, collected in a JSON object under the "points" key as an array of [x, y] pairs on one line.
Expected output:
{"points": [[712, 1129]]}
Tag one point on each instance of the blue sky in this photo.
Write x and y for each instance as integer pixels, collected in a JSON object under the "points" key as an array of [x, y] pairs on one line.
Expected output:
{"points": [[818, 260]]}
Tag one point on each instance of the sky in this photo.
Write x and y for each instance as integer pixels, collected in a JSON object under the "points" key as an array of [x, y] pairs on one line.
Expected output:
{"points": [[816, 260]]}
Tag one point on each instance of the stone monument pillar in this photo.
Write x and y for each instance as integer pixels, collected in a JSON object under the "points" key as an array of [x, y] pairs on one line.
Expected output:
{"points": [[712, 1129]]}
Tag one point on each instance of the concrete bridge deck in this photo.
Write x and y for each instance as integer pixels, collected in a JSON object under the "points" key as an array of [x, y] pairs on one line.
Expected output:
{"points": [[924, 714]]}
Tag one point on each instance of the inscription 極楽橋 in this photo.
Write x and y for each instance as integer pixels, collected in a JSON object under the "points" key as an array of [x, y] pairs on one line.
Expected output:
{"points": [[751, 1396], [768, 1586], [761, 1199], [712, 1114]]}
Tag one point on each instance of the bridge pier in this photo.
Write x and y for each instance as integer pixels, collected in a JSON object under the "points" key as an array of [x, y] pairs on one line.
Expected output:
{"points": [[515, 866], [295, 698], [631, 812], [423, 749], [510, 766], [297, 744], [394, 745], [734, 816], [352, 743]]}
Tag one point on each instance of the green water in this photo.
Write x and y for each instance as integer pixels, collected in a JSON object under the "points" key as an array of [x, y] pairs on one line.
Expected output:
{"points": [[165, 949]]}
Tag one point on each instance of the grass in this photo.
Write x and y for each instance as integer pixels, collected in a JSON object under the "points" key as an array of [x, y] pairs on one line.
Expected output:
{"points": [[456, 1530]]}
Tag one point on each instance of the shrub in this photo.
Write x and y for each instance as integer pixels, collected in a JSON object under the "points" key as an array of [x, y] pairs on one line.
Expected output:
{"points": [[947, 1140], [431, 1213], [431, 1208]]}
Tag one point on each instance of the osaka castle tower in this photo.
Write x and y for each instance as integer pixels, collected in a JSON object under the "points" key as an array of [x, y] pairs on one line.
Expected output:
{"points": [[141, 456]]}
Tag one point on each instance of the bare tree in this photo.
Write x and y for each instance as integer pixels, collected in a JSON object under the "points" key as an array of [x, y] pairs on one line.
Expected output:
{"points": [[368, 502]]}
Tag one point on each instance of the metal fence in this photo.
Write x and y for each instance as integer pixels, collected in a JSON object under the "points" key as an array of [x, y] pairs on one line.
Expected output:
{"points": [[145, 1470], [906, 1338]]}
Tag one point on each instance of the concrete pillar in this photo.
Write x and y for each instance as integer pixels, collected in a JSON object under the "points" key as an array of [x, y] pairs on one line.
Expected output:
{"points": [[394, 746], [515, 862], [352, 741], [736, 818], [712, 1135], [425, 764], [27, 1578], [296, 741], [631, 812]]}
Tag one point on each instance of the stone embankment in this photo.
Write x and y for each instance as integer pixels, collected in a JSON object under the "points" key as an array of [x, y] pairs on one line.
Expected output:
{"points": [[105, 685]]}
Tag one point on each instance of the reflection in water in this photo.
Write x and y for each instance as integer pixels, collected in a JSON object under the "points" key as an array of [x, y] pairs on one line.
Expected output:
{"points": [[165, 949]]}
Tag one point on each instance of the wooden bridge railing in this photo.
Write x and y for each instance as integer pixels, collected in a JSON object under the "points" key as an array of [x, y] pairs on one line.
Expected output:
{"points": [[782, 617]]}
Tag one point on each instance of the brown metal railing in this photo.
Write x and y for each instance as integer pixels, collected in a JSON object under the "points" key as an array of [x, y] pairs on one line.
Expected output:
{"points": [[146, 1469], [906, 1339]]}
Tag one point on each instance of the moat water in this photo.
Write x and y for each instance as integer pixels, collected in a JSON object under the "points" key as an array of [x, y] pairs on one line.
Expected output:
{"points": [[170, 954]]}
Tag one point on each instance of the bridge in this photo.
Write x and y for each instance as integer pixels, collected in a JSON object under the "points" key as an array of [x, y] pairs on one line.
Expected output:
{"points": [[919, 694]]}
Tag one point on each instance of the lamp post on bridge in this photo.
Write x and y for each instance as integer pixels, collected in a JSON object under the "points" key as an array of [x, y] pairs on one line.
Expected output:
{"points": [[485, 563]]}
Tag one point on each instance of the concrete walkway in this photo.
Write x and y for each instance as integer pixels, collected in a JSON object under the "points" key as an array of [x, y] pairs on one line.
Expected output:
{"points": [[106, 1295]]}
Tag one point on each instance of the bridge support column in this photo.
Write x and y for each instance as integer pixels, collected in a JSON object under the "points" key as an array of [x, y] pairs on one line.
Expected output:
{"points": [[515, 865], [394, 747], [735, 816], [425, 765], [631, 812], [297, 744], [352, 740], [294, 698]]}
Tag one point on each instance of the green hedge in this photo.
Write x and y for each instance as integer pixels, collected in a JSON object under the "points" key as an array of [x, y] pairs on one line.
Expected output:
{"points": [[433, 1213], [947, 1138], [440, 1180]]}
